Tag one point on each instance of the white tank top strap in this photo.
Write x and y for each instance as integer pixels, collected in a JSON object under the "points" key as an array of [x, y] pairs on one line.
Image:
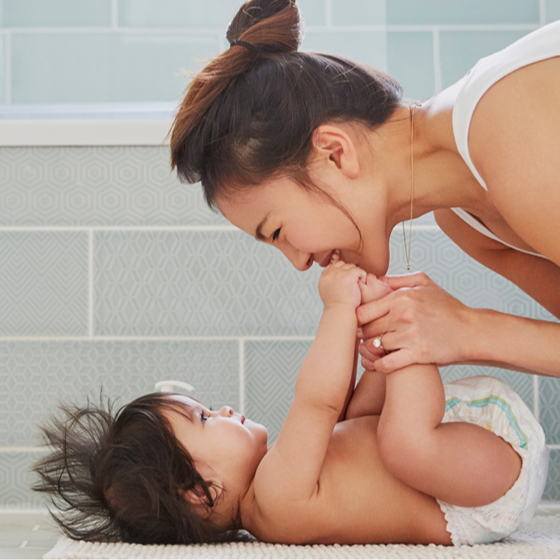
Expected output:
{"points": [[541, 44], [481, 228]]}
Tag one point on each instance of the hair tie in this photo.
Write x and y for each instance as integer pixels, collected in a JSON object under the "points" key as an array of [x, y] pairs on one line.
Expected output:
{"points": [[248, 46]]}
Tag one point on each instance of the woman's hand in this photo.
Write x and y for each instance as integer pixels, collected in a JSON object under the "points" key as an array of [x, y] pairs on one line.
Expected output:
{"points": [[418, 323]]}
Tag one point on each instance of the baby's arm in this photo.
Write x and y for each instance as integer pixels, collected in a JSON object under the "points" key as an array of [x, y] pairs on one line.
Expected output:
{"points": [[369, 394], [456, 462], [320, 392]]}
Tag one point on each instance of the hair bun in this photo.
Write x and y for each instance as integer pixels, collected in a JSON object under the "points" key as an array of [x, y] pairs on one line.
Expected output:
{"points": [[268, 25]]}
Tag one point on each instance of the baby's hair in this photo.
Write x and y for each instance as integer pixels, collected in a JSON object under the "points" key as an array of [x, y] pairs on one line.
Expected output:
{"points": [[249, 115], [123, 476]]}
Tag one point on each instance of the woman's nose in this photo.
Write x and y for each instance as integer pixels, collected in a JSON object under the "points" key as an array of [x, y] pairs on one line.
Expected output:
{"points": [[226, 411], [301, 261]]}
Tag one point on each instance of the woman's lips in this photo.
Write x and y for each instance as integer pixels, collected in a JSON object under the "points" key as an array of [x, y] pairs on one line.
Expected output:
{"points": [[327, 260]]}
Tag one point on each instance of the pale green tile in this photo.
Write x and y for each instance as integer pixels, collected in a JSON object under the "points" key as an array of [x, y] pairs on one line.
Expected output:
{"points": [[3, 68], [271, 369], [199, 284], [105, 67], [359, 12], [549, 402], [461, 50], [552, 489], [462, 12], [37, 377], [314, 12], [97, 186], [410, 59], [16, 479], [552, 10], [194, 13], [55, 13], [43, 283], [177, 13], [369, 47]]}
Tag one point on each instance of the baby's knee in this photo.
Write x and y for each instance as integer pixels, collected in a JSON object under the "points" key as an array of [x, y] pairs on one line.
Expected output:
{"points": [[406, 455]]}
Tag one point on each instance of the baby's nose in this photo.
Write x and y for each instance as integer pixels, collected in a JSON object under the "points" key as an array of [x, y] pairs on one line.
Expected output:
{"points": [[226, 411]]}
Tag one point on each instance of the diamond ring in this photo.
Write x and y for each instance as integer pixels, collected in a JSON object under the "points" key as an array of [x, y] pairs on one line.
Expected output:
{"points": [[377, 342]]}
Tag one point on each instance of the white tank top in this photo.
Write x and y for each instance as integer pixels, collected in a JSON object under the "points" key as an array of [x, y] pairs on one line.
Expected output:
{"points": [[541, 44]]}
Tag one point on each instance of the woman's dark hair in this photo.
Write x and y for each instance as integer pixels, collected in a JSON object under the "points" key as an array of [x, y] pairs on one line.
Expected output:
{"points": [[249, 115], [122, 476]]}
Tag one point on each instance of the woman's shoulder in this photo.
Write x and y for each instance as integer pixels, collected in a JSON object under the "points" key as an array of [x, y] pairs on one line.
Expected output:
{"points": [[514, 144]]}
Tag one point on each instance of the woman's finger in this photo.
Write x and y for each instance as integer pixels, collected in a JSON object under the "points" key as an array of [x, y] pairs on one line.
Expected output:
{"points": [[387, 340], [368, 365], [372, 354], [407, 280], [393, 361], [377, 328], [373, 310]]}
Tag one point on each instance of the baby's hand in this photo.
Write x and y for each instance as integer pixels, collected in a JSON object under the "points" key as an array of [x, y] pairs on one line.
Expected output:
{"points": [[339, 284], [373, 289]]}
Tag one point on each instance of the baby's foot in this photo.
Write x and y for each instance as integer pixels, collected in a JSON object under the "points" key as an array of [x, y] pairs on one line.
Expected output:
{"points": [[373, 289]]}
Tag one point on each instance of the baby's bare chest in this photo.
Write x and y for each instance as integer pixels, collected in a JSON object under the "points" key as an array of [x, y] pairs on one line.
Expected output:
{"points": [[358, 500]]}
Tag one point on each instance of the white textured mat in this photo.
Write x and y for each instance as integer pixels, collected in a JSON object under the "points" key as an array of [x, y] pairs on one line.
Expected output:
{"points": [[540, 539]]}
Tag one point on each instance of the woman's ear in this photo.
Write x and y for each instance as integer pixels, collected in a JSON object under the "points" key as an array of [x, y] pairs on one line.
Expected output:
{"points": [[333, 145]]}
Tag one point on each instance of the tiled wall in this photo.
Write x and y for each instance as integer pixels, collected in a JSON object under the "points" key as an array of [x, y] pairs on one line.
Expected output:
{"points": [[70, 51], [114, 275]]}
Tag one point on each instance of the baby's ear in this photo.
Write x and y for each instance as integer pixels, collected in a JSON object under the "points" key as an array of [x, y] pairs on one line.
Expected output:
{"points": [[198, 498]]}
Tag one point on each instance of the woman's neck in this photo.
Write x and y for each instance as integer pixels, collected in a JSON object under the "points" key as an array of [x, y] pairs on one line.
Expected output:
{"points": [[441, 177]]}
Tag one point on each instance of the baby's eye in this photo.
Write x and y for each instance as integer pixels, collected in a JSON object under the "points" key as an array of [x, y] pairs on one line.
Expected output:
{"points": [[203, 417], [276, 234]]}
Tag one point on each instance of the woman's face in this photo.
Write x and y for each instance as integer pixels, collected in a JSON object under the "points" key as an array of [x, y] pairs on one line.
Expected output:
{"points": [[307, 227]]}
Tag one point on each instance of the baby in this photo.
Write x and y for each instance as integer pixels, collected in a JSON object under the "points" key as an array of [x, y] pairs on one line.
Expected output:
{"points": [[398, 459]]}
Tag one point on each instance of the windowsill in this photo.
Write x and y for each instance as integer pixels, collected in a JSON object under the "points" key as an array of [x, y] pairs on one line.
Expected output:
{"points": [[99, 124]]}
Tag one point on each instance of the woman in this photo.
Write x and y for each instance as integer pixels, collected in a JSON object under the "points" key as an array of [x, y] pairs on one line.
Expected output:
{"points": [[315, 154]]}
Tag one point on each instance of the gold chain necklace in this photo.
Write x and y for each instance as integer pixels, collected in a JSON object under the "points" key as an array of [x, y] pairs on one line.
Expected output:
{"points": [[407, 248]]}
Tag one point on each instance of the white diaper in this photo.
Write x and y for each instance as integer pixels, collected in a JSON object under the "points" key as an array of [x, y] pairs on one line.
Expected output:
{"points": [[490, 403]]}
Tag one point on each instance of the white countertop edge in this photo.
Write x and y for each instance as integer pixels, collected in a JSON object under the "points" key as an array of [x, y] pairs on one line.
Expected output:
{"points": [[84, 132]]}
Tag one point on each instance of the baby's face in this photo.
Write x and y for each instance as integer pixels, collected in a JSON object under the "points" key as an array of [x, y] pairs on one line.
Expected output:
{"points": [[225, 446]]}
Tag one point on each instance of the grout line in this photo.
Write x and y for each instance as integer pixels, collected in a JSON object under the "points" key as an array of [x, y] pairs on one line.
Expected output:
{"points": [[417, 227], [148, 338], [542, 12], [195, 33], [437, 61], [114, 15], [430, 28], [26, 511], [536, 403], [328, 13], [115, 228], [90, 284], [8, 68], [14, 449], [242, 376]]}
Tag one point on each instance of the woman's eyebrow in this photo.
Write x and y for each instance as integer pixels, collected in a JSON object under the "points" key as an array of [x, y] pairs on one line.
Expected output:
{"points": [[259, 235]]}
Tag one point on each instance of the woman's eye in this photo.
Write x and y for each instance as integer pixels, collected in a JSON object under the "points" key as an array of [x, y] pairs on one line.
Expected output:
{"points": [[276, 234]]}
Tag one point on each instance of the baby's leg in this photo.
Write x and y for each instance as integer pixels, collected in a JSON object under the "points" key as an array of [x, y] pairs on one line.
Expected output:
{"points": [[455, 462]]}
